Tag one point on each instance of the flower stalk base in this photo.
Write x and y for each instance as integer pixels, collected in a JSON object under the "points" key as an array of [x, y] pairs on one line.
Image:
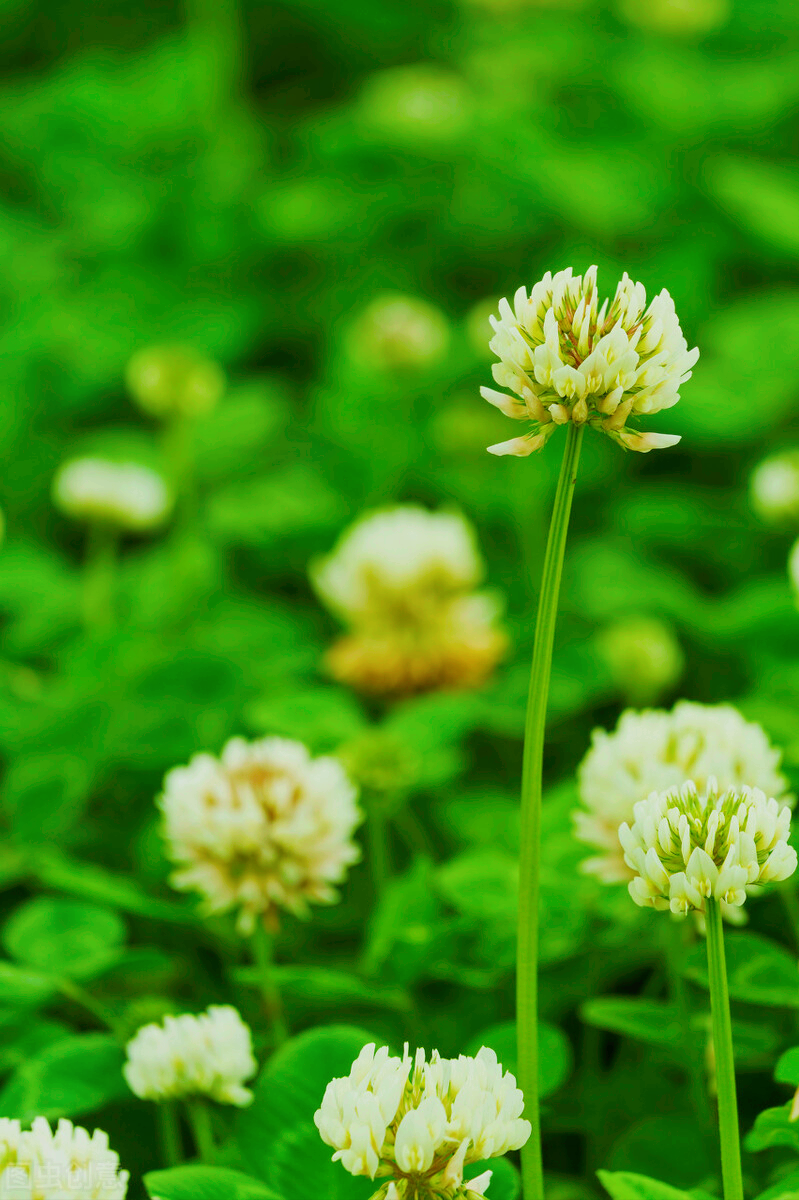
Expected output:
{"points": [[722, 1046]]}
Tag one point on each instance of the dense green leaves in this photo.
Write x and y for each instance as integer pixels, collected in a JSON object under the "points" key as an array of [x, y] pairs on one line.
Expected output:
{"points": [[205, 1183]]}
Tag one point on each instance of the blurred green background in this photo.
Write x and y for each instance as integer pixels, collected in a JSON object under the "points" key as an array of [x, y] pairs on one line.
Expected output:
{"points": [[249, 180]]}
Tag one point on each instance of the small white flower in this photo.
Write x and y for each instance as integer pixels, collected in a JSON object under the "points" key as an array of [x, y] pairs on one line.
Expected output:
{"points": [[403, 580], [66, 1163], [569, 359], [262, 828], [686, 846], [420, 1123], [654, 750], [207, 1055], [125, 495], [774, 488]]}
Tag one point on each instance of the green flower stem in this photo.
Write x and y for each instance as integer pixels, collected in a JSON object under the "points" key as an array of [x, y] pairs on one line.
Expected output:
{"points": [[530, 849], [99, 576], [379, 848], [722, 1046], [263, 954], [202, 1129], [169, 1133], [692, 1054]]}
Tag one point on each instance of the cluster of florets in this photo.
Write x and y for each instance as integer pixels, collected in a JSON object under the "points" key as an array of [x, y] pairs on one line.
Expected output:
{"points": [[654, 750], [687, 846], [264, 827], [567, 358], [123, 495], [418, 1124], [206, 1055], [46, 1164], [403, 580]]}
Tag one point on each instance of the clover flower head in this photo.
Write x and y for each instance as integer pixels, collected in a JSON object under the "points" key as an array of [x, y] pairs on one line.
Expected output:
{"points": [[643, 656], [774, 488], [568, 358], [419, 1124], [399, 333], [653, 750], [124, 495], [65, 1163], [207, 1055], [687, 845], [174, 381], [264, 827], [403, 580]]}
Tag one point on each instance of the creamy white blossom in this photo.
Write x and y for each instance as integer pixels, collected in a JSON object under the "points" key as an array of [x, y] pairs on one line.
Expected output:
{"points": [[126, 495], [688, 844], [774, 488], [403, 580], [568, 358], [419, 1124], [206, 1055], [65, 1163], [654, 750], [262, 828]]}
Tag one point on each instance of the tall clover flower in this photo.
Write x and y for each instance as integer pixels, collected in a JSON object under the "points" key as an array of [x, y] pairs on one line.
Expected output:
{"points": [[418, 1125], [699, 849], [572, 361]]}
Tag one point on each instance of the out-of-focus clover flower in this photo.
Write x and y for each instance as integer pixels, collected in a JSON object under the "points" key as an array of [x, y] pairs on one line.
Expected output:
{"points": [[655, 750], [403, 580], [401, 333], [174, 381], [67, 1162], [684, 17], [419, 101], [687, 845], [774, 488], [207, 1055], [419, 1124], [569, 359], [123, 495], [262, 828], [643, 656]]}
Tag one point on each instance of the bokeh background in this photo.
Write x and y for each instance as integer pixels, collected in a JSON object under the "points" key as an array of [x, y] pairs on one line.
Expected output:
{"points": [[258, 181]]}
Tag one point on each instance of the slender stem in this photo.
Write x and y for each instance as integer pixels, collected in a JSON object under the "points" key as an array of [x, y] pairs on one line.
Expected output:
{"points": [[530, 849], [692, 1056], [202, 1129], [169, 1133], [722, 1047], [79, 995], [263, 954], [99, 576], [379, 849]]}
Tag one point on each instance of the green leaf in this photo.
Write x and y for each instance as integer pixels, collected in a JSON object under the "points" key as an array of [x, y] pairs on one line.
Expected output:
{"points": [[321, 716], [671, 1147], [68, 1078], [322, 986], [22, 988], [318, 1175], [46, 793], [758, 970], [64, 937], [482, 883], [92, 882], [622, 1185], [786, 1189], [205, 1183], [650, 1021], [505, 1182], [774, 1127], [787, 1069], [290, 1090]]}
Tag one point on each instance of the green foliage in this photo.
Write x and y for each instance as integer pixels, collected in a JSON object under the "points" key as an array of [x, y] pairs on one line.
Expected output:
{"points": [[240, 183]]}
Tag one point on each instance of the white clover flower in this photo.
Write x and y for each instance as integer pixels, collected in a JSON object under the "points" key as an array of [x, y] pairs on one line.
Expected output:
{"points": [[126, 495], [419, 1123], [774, 488], [402, 333], [654, 750], [263, 828], [403, 581], [207, 1055], [568, 359], [67, 1163], [687, 845]]}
